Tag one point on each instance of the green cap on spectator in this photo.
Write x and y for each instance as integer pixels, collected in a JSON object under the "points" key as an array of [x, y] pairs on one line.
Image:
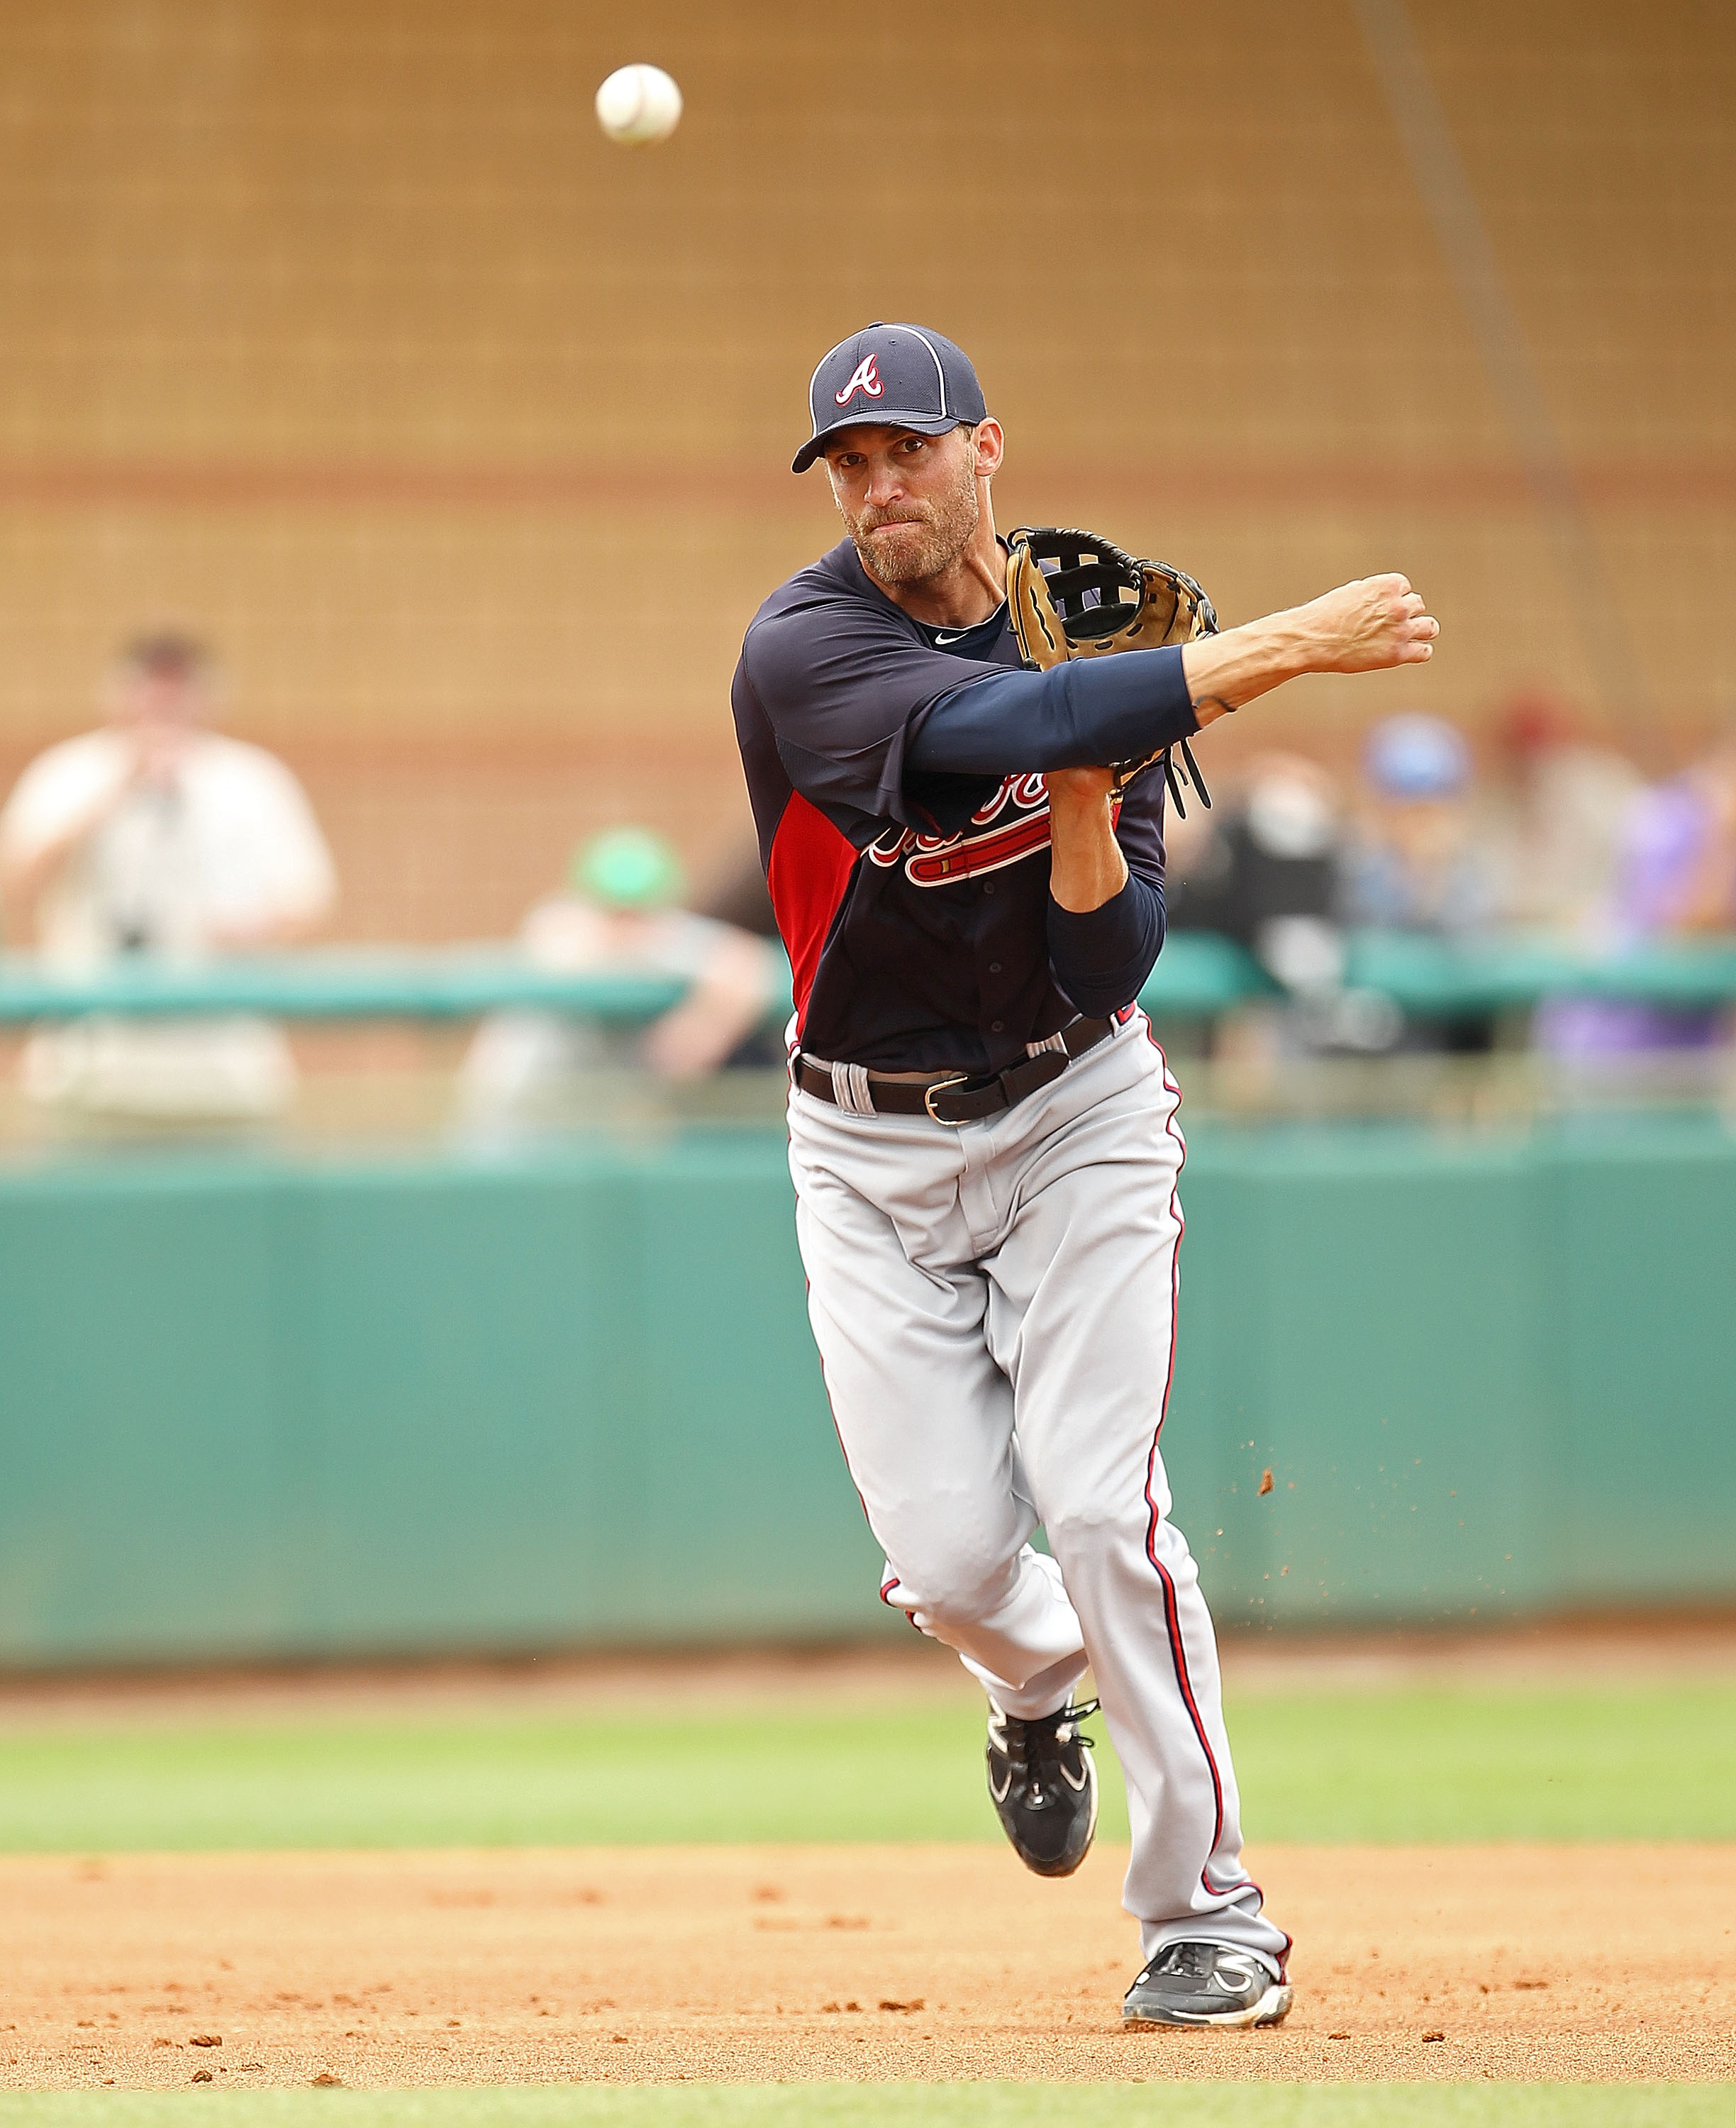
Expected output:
{"points": [[627, 868]]}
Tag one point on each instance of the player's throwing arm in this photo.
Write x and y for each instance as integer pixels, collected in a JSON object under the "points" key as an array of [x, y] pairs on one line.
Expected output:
{"points": [[1368, 626]]}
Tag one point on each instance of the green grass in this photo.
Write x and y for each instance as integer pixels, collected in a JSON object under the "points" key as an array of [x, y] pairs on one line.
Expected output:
{"points": [[1404, 1765], [907, 2106], [1514, 1764]]}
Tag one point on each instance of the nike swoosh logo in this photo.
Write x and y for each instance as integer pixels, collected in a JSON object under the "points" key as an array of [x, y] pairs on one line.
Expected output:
{"points": [[944, 637]]}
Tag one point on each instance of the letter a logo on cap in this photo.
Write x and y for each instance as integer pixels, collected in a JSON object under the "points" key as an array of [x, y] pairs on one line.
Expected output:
{"points": [[864, 378]]}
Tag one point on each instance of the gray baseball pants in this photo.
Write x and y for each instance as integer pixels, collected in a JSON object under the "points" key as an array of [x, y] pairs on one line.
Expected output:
{"points": [[995, 1307]]}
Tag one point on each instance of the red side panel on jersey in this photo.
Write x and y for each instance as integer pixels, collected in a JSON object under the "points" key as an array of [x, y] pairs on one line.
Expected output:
{"points": [[809, 874]]}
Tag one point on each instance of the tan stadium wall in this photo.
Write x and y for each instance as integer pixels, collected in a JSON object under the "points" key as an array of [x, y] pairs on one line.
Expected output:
{"points": [[337, 331]]}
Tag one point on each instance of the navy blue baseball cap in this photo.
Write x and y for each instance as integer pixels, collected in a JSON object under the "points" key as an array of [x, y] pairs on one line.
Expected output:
{"points": [[898, 377]]}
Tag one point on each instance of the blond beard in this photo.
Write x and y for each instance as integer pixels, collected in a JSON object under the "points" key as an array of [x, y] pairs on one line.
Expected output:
{"points": [[948, 526]]}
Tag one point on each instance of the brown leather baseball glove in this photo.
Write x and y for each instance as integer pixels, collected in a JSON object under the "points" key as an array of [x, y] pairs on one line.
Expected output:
{"points": [[1071, 594]]}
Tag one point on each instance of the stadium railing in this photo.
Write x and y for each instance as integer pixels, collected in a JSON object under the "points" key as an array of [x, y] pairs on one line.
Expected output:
{"points": [[1199, 974]]}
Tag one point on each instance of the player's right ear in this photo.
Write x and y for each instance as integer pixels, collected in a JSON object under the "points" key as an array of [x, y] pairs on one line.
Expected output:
{"points": [[990, 446]]}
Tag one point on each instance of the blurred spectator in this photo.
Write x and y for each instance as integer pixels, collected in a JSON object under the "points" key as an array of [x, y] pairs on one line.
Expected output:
{"points": [[1679, 851], [736, 893], [1558, 824], [1675, 877], [156, 837], [1266, 869], [1263, 870], [1418, 863], [618, 915]]}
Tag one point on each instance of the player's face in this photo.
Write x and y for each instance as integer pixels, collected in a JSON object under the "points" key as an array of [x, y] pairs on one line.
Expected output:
{"points": [[909, 502]]}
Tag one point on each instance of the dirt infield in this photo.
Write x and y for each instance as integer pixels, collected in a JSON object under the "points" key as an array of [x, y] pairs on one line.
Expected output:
{"points": [[754, 1964]]}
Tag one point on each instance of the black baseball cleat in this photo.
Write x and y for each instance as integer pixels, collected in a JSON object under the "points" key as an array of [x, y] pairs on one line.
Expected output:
{"points": [[1206, 1983], [1044, 1787]]}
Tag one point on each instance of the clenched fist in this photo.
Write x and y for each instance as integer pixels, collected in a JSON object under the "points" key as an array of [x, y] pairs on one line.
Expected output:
{"points": [[1368, 626]]}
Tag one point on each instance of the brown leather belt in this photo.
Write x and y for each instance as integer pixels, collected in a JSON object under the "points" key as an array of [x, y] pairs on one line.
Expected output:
{"points": [[955, 1097]]}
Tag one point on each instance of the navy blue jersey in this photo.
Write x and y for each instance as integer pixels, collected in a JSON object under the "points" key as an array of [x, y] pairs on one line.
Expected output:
{"points": [[895, 775]]}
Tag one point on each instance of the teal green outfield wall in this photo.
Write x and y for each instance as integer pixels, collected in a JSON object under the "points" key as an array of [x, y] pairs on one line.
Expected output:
{"points": [[262, 1410]]}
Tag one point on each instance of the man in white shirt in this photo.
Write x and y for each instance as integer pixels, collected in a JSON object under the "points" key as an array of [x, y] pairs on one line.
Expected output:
{"points": [[154, 835]]}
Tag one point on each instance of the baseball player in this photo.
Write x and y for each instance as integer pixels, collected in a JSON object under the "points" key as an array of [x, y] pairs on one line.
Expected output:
{"points": [[983, 1132]]}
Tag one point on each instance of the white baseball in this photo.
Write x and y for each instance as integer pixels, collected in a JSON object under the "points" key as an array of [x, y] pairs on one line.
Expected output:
{"points": [[637, 105]]}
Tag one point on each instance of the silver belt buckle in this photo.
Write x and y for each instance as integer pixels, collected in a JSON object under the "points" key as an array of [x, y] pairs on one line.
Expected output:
{"points": [[940, 1086]]}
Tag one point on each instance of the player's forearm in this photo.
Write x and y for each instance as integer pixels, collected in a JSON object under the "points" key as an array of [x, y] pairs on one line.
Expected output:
{"points": [[1225, 671], [1090, 710], [1102, 958], [1367, 626], [1086, 867]]}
